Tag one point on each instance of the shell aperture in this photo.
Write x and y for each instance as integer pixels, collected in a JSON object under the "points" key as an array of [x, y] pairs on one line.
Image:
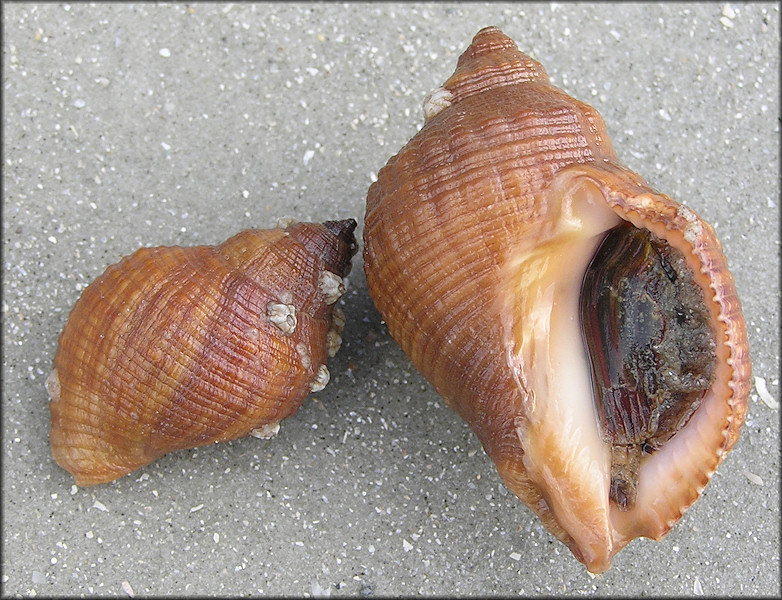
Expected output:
{"points": [[650, 346]]}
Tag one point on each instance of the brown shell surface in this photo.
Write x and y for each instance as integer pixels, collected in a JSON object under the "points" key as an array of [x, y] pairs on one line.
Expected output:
{"points": [[173, 347], [483, 183]]}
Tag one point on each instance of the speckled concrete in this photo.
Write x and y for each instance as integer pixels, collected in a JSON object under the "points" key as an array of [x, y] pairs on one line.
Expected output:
{"points": [[134, 124]]}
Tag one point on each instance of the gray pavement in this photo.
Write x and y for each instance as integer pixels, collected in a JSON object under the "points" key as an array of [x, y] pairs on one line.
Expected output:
{"points": [[139, 124]]}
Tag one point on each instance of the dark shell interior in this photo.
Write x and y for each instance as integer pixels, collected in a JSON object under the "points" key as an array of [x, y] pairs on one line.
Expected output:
{"points": [[651, 348]]}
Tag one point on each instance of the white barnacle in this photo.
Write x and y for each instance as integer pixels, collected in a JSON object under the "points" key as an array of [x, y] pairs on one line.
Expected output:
{"points": [[53, 386], [642, 202], [266, 431], [333, 342], [693, 229], [337, 319], [331, 286], [304, 355], [284, 222], [321, 379], [686, 214], [333, 337], [435, 102], [283, 316]]}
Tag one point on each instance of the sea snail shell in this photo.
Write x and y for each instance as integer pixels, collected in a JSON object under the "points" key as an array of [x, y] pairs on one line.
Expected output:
{"points": [[478, 235], [175, 348]]}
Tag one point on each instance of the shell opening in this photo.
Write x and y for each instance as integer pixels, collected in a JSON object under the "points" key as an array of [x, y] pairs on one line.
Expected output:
{"points": [[651, 349], [575, 449]]}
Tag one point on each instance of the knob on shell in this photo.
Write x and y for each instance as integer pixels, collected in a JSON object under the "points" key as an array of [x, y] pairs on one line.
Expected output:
{"points": [[176, 347], [478, 235]]}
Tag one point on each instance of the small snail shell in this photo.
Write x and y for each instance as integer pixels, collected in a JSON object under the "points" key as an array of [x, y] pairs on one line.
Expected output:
{"points": [[175, 348], [605, 409]]}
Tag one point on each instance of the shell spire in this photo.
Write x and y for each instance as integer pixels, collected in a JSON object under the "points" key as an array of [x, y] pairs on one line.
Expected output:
{"points": [[492, 59]]}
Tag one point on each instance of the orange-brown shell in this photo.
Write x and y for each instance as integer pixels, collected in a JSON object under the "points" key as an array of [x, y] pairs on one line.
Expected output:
{"points": [[460, 225], [177, 347]]}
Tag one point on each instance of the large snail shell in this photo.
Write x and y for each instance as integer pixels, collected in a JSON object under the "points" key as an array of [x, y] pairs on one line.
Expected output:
{"points": [[478, 235], [176, 347]]}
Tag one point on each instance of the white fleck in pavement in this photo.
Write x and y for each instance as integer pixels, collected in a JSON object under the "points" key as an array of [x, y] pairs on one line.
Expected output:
{"points": [[128, 125]]}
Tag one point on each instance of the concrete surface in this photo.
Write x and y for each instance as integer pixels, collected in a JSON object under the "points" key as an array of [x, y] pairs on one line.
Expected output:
{"points": [[140, 124]]}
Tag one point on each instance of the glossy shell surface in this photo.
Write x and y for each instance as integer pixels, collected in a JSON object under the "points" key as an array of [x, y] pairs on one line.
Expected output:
{"points": [[477, 237], [177, 347]]}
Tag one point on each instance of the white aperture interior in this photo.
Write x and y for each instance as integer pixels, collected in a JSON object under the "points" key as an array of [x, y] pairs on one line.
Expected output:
{"points": [[558, 428]]}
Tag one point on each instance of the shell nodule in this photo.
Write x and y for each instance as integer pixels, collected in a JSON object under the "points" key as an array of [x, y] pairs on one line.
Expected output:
{"points": [[175, 348], [585, 326]]}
